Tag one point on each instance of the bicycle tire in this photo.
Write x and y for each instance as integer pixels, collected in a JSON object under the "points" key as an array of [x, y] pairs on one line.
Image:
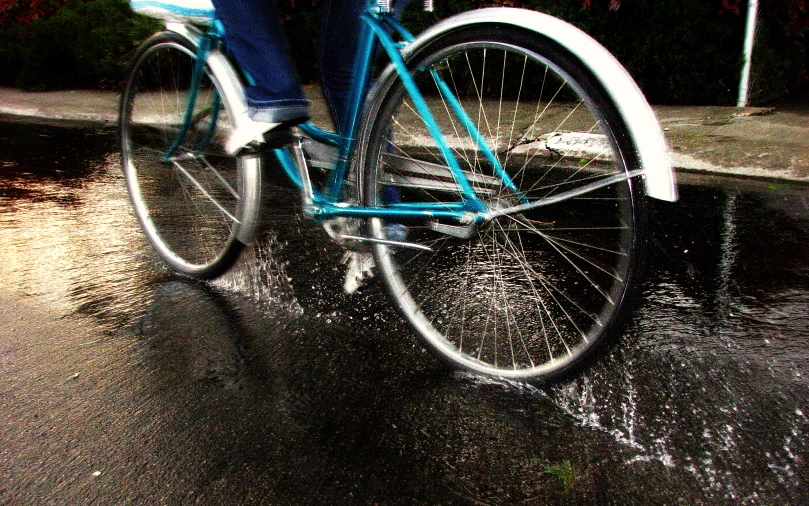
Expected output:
{"points": [[526, 296], [190, 202]]}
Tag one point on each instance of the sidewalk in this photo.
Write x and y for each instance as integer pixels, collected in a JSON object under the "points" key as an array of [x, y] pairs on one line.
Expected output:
{"points": [[771, 143]]}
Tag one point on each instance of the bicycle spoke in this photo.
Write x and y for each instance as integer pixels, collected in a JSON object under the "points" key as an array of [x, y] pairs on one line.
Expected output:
{"points": [[538, 285], [184, 187]]}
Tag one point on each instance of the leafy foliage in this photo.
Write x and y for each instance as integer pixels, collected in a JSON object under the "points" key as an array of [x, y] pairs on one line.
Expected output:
{"points": [[301, 22], [82, 44], [679, 51], [781, 53], [25, 11], [563, 472]]}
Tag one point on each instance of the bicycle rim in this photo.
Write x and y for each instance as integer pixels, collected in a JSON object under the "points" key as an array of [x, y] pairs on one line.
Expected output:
{"points": [[529, 294], [186, 190]]}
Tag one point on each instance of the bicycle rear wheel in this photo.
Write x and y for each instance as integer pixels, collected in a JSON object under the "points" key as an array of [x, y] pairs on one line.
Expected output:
{"points": [[529, 294], [193, 200]]}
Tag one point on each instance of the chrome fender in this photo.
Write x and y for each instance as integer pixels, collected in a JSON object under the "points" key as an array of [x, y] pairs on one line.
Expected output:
{"points": [[230, 83], [647, 136], [232, 90]]}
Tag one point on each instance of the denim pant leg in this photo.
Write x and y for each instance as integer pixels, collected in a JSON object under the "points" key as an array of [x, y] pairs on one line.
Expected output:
{"points": [[254, 37], [339, 42]]}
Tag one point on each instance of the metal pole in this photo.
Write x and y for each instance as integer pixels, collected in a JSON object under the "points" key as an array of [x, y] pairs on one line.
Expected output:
{"points": [[749, 38]]}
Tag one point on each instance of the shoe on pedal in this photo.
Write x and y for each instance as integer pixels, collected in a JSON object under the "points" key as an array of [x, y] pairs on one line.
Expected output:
{"points": [[249, 133]]}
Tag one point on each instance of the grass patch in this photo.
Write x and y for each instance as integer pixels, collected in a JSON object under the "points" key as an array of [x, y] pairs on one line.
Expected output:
{"points": [[563, 472]]}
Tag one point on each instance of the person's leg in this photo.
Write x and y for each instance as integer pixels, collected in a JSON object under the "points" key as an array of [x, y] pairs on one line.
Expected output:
{"points": [[341, 29], [254, 37], [339, 38], [340, 32]]}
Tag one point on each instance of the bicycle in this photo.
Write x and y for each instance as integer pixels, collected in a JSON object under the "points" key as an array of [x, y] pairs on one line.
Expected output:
{"points": [[496, 169]]}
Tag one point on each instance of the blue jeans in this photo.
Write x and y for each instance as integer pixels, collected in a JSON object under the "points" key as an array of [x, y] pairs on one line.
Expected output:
{"points": [[254, 37]]}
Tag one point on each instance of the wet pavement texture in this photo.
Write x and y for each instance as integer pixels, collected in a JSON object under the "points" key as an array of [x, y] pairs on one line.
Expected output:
{"points": [[121, 383]]}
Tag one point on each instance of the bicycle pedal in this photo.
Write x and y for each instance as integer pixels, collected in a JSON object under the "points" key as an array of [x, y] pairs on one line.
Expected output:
{"points": [[345, 231], [247, 137], [278, 137], [461, 232]]}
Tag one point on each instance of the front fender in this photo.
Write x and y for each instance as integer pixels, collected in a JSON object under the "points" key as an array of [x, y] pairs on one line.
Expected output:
{"points": [[647, 136], [230, 84], [233, 98]]}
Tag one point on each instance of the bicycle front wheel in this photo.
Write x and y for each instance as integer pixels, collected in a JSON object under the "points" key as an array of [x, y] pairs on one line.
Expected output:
{"points": [[531, 293], [191, 198]]}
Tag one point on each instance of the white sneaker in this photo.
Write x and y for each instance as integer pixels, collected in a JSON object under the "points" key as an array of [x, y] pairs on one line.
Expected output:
{"points": [[249, 132], [360, 270]]}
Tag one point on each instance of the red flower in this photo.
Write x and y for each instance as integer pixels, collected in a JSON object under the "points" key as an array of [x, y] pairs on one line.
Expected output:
{"points": [[614, 5], [26, 11], [730, 6]]}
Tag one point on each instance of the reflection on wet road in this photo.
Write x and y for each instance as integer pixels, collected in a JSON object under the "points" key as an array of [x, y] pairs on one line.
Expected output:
{"points": [[123, 384]]}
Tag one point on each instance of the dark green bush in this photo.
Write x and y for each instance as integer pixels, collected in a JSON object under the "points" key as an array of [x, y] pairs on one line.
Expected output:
{"points": [[84, 44], [303, 31], [780, 56], [679, 51]]}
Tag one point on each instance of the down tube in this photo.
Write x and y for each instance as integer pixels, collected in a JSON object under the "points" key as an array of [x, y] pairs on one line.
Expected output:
{"points": [[360, 78], [471, 200]]}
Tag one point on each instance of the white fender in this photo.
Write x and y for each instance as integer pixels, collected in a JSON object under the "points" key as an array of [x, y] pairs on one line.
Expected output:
{"points": [[230, 85], [229, 82], [647, 137]]}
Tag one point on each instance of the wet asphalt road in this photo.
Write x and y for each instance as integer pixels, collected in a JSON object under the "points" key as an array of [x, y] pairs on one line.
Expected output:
{"points": [[121, 384]]}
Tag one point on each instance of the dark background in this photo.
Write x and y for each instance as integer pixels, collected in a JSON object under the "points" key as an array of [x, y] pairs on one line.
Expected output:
{"points": [[679, 51]]}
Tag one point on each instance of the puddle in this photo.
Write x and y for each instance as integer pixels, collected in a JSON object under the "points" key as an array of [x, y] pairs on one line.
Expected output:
{"points": [[702, 401]]}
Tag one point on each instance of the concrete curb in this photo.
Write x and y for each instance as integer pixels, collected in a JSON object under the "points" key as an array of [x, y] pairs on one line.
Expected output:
{"points": [[761, 143]]}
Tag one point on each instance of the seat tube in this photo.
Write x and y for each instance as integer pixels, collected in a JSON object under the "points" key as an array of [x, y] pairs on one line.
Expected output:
{"points": [[193, 91], [359, 88]]}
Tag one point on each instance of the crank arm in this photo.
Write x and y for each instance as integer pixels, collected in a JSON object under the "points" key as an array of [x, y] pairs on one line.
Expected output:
{"points": [[386, 242]]}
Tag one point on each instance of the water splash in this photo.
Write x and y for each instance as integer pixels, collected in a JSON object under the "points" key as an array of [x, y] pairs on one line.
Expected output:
{"points": [[262, 276], [614, 412]]}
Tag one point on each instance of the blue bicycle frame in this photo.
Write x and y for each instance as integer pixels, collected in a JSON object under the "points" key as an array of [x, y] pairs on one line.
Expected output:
{"points": [[377, 28]]}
